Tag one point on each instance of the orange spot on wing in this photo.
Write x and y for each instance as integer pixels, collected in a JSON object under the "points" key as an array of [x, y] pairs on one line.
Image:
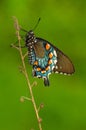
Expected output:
{"points": [[35, 62], [50, 62], [50, 55], [47, 68], [47, 46], [38, 69]]}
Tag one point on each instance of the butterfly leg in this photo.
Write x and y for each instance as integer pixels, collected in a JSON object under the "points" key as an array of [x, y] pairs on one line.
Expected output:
{"points": [[46, 81], [34, 73]]}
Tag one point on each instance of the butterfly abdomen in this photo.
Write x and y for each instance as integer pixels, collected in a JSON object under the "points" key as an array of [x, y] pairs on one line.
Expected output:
{"points": [[30, 41], [31, 55]]}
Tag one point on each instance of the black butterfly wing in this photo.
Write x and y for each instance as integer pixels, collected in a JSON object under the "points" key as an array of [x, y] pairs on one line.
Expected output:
{"points": [[64, 64]]}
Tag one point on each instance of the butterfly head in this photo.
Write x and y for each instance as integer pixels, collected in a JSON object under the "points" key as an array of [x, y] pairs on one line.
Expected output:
{"points": [[30, 39]]}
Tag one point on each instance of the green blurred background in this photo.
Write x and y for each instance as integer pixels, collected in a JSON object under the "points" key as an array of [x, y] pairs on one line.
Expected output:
{"points": [[63, 23]]}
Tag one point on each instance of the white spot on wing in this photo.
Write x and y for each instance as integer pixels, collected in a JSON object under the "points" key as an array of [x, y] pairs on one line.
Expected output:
{"points": [[55, 61], [60, 67], [61, 72], [57, 72], [65, 73], [56, 67], [68, 74], [55, 53], [38, 76], [49, 73], [52, 67]]}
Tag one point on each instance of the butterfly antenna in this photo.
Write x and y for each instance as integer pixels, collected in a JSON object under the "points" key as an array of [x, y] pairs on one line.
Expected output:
{"points": [[37, 24], [23, 29]]}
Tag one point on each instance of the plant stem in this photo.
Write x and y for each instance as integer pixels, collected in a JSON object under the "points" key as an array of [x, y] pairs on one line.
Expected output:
{"points": [[26, 74]]}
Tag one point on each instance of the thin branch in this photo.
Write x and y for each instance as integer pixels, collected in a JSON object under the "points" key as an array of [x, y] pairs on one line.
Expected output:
{"points": [[22, 69], [25, 98], [25, 54], [25, 73], [40, 107], [12, 45], [34, 84]]}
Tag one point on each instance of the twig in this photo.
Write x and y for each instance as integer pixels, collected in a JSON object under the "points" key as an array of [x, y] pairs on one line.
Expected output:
{"points": [[26, 74], [25, 98], [12, 45], [34, 84], [25, 54], [40, 106]]}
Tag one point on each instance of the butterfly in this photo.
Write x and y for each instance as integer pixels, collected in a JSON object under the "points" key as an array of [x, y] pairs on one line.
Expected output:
{"points": [[46, 58]]}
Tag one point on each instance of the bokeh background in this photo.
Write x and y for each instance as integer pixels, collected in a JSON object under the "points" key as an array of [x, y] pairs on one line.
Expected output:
{"points": [[63, 23]]}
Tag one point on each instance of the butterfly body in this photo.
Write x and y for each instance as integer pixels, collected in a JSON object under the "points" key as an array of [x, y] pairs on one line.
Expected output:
{"points": [[46, 58]]}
